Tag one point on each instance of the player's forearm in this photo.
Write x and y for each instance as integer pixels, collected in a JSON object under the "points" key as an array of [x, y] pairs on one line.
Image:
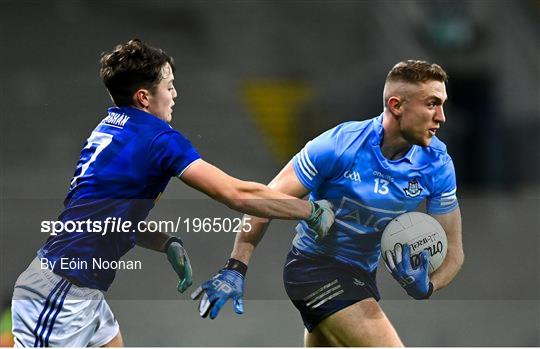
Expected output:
{"points": [[248, 197], [259, 200], [153, 241], [449, 269], [453, 261], [248, 238]]}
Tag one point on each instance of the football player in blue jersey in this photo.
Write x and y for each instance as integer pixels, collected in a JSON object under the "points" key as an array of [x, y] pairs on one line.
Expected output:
{"points": [[372, 171], [124, 166]]}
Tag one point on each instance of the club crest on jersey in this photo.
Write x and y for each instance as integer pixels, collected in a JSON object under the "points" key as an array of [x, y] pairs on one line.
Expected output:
{"points": [[413, 190]]}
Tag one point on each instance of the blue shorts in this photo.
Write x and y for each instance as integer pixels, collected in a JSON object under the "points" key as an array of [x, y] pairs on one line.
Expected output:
{"points": [[319, 286]]}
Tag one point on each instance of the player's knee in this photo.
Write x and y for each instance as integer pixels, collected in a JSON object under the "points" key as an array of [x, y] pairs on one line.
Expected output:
{"points": [[370, 311], [361, 324]]}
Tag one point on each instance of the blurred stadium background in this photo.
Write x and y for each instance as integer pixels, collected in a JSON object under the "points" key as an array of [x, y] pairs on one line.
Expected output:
{"points": [[256, 80]]}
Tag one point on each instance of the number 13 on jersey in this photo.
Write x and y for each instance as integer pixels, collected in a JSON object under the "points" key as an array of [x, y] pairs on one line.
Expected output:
{"points": [[381, 186]]}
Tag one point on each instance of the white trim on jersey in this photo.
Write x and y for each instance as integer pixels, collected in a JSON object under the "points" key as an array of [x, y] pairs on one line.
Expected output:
{"points": [[306, 166], [449, 193], [188, 166], [309, 161], [449, 201], [448, 198]]}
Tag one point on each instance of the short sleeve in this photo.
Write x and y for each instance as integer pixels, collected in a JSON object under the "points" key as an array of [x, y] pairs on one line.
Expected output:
{"points": [[314, 163], [172, 153], [443, 198]]}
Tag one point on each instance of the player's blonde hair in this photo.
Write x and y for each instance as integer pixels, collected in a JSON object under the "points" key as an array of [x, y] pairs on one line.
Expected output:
{"points": [[413, 72]]}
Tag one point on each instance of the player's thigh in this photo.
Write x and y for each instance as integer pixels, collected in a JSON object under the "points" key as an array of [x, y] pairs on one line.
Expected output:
{"points": [[117, 341], [360, 324], [315, 339]]}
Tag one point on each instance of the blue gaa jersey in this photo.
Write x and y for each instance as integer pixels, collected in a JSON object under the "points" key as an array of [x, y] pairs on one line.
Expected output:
{"points": [[345, 165], [124, 166]]}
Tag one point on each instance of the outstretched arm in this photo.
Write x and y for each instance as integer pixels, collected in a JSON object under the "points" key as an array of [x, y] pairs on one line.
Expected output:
{"points": [[247, 197], [229, 282]]}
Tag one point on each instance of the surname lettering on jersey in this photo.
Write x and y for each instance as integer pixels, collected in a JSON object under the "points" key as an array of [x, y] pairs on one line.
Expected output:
{"points": [[116, 119]]}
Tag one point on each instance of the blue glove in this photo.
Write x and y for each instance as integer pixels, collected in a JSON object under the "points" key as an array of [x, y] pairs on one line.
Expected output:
{"points": [[228, 283], [178, 257], [321, 218], [414, 281]]}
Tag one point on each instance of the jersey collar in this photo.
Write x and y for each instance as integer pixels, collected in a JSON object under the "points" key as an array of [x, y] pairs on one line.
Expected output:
{"points": [[137, 113], [378, 132]]}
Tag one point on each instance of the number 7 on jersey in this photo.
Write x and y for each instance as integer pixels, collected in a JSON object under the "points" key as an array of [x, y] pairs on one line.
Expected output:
{"points": [[94, 145]]}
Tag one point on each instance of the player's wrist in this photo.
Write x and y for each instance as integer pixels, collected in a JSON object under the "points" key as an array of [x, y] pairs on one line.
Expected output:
{"points": [[428, 294], [236, 265], [171, 240], [316, 212]]}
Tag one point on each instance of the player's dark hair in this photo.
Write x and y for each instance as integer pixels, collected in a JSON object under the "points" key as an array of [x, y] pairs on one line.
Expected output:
{"points": [[415, 71], [132, 66]]}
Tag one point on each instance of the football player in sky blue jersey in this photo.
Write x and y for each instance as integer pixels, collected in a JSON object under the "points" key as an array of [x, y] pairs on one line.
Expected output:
{"points": [[372, 171], [123, 168]]}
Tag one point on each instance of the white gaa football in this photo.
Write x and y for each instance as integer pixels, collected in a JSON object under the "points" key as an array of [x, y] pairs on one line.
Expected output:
{"points": [[421, 232]]}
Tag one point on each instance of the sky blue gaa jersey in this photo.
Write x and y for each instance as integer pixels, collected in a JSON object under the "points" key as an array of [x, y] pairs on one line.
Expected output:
{"points": [[124, 166], [346, 166]]}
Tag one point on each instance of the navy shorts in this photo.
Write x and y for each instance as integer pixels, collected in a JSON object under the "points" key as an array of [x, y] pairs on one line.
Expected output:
{"points": [[319, 286]]}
